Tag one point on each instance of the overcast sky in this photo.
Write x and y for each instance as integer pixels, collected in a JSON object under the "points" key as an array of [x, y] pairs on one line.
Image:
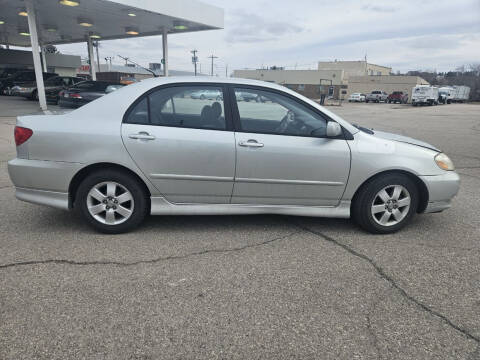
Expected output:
{"points": [[406, 35]]}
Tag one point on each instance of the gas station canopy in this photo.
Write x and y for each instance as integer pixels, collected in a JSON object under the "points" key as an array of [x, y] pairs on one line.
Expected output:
{"points": [[69, 21], [37, 23]]}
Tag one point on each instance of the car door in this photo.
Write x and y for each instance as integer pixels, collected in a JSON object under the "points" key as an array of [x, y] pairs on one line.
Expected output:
{"points": [[185, 145], [283, 154]]}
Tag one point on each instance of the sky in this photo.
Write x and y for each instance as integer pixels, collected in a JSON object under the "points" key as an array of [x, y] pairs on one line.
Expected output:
{"points": [[406, 35]]}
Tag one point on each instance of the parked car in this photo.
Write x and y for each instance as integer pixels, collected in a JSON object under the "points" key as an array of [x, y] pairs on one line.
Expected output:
{"points": [[19, 79], [148, 148], [206, 94], [52, 85], [397, 97], [356, 97], [84, 92], [245, 96], [424, 95], [376, 96]]}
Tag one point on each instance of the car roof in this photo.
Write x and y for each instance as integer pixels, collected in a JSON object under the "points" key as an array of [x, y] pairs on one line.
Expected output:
{"points": [[211, 79]]}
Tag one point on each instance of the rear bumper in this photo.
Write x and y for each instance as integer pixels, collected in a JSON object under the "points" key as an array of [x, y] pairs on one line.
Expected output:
{"points": [[69, 103], [441, 190], [42, 182], [49, 198]]}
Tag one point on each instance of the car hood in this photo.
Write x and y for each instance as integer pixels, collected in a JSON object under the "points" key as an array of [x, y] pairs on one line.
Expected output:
{"points": [[404, 139]]}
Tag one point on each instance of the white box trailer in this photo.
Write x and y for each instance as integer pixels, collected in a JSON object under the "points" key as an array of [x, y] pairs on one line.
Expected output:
{"points": [[424, 95], [462, 93]]}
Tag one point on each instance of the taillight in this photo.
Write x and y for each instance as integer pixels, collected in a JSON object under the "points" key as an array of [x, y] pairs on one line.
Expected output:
{"points": [[60, 93], [22, 134], [76, 96]]}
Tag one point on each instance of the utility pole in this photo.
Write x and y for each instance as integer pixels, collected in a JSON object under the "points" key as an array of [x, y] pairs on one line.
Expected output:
{"points": [[212, 57], [226, 70], [108, 60], [194, 60]]}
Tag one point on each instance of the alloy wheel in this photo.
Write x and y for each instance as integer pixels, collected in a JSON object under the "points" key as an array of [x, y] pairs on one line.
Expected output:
{"points": [[110, 203], [391, 205]]}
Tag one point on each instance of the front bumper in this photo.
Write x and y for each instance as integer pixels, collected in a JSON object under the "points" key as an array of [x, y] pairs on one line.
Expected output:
{"points": [[441, 190]]}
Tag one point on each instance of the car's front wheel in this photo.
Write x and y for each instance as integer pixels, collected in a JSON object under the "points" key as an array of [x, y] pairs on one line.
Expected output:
{"points": [[112, 201], [385, 204]]}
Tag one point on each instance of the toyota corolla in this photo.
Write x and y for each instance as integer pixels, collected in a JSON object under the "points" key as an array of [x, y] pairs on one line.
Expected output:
{"points": [[154, 148]]}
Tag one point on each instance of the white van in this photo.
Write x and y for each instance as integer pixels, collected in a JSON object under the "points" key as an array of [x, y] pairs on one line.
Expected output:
{"points": [[424, 95]]}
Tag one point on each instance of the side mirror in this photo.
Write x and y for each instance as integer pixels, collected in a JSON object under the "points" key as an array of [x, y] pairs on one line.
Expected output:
{"points": [[333, 129]]}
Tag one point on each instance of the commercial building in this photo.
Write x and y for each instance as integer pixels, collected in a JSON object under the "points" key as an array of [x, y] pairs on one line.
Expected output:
{"points": [[387, 83], [337, 79], [61, 64], [310, 83], [355, 68]]}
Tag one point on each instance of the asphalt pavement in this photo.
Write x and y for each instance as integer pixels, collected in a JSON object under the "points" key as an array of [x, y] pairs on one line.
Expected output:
{"points": [[249, 287]]}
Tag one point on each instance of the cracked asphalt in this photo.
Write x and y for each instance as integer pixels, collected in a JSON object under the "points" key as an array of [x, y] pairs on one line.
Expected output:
{"points": [[250, 287]]}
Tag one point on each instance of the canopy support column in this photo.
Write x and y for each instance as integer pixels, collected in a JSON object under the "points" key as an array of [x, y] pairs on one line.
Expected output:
{"points": [[165, 51], [91, 59], [37, 65]]}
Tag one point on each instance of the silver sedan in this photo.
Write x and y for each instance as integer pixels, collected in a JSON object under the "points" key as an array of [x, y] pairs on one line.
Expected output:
{"points": [[151, 148]]}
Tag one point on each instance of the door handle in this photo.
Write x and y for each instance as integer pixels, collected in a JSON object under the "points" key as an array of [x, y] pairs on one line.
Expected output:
{"points": [[142, 136], [251, 143]]}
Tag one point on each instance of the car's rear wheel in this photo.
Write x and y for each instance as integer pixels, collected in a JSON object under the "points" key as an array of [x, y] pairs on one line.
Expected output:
{"points": [[385, 204], [112, 201]]}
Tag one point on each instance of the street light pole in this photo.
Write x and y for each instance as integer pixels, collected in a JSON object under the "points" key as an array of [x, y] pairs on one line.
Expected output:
{"points": [[212, 57]]}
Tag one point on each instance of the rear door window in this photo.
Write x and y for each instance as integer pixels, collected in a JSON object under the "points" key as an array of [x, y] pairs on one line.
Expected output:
{"points": [[190, 106]]}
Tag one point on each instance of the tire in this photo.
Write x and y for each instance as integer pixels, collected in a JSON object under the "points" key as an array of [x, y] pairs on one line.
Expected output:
{"points": [[368, 197], [367, 101], [202, 97], [127, 187]]}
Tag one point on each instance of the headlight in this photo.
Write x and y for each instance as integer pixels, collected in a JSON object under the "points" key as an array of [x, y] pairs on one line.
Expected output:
{"points": [[444, 162]]}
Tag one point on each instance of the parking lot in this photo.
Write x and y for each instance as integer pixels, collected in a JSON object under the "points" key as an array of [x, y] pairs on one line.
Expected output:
{"points": [[248, 287]]}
